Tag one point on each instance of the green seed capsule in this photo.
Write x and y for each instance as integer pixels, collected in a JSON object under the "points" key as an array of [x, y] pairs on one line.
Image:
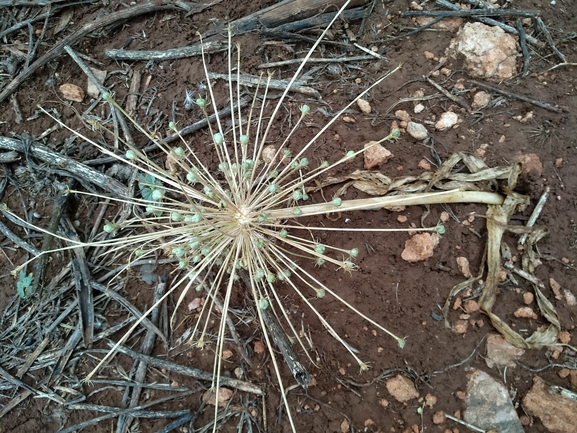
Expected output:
{"points": [[130, 154], [172, 125], [182, 264], [179, 151], [337, 202], [283, 233], [178, 251], [218, 138], [196, 218], [350, 154], [321, 293], [107, 96], [354, 253], [109, 227], [157, 194], [175, 216], [262, 304], [191, 177], [320, 261], [297, 195], [201, 102], [198, 288], [305, 109], [304, 162], [305, 196], [297, 211], [320, 249], [271, 278], [325, 164], [244, 139], [138, 252], [272, 188]]}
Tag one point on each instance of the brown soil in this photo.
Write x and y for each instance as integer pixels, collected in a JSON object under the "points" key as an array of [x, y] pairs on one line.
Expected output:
{"points": [[404, 297]]}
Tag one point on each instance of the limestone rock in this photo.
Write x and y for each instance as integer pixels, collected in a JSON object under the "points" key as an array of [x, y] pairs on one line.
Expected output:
{"points": [[403, 115], [488, 51], [446, 121], [417, 131], [91, 88], [463, 265], [375, 155], [501, 353], [480, 100], [402, 388], [72, 92], [489, 405], [557, 413], [420, 247], [364, 106]]}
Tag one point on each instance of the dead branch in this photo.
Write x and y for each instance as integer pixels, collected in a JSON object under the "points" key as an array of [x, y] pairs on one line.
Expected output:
{"points": [[169, 54], [519, 97], [106, 20]]}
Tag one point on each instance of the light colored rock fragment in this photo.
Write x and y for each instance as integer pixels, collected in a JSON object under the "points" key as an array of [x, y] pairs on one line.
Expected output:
{"points": [[463, 265], [557, 413], [446, 121], [488, 52], [364, 106], [525, 313], [268, 154], [501, 353], [489, 405], [419, 108], [480, 100], [556, 287], [424, 164], [417, 131], [91, 88], [402, 388], [570, 297], [528, 298], [403, 115], [72, 92], [420, 247], [224, 394], [375, 155], [530, 162], [451, 24]]}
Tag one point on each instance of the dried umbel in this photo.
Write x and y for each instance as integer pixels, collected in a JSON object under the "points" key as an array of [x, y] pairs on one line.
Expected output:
{"points": [[244, 217]]}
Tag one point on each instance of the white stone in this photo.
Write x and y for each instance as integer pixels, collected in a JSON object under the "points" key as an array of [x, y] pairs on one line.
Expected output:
{"points": [[447, 120], [417, 131], [488, 52], [419, 108]]}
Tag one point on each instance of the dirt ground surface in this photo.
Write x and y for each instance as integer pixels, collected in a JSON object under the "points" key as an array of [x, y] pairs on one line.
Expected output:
{"points": [[407, 298]]}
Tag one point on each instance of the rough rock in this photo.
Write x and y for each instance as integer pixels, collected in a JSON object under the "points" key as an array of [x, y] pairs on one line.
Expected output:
{"points": [[375, 155], [420, 247], [501, 353], [463, 265], [91, 88], [268, 154], [224, 394], [419, 108], [364, 106], [403, 115], [451, 24], [488, 52], [72, 92], [402, 388], [525, 313], [480, 100], [424, 164], [570, 298], [557, 413], [447, 120], [489, 405], [530, 162], [417, 131]]}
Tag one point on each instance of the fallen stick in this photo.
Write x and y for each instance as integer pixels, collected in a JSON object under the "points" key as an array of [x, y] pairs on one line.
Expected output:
{"points": [[524, 49], [106, 20], [541, 25], [298, 86], [530, 13], [192, 372], [454, 98], [169, 54], [519, 97], [535, 214], [314, 60], [76, 169]]}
